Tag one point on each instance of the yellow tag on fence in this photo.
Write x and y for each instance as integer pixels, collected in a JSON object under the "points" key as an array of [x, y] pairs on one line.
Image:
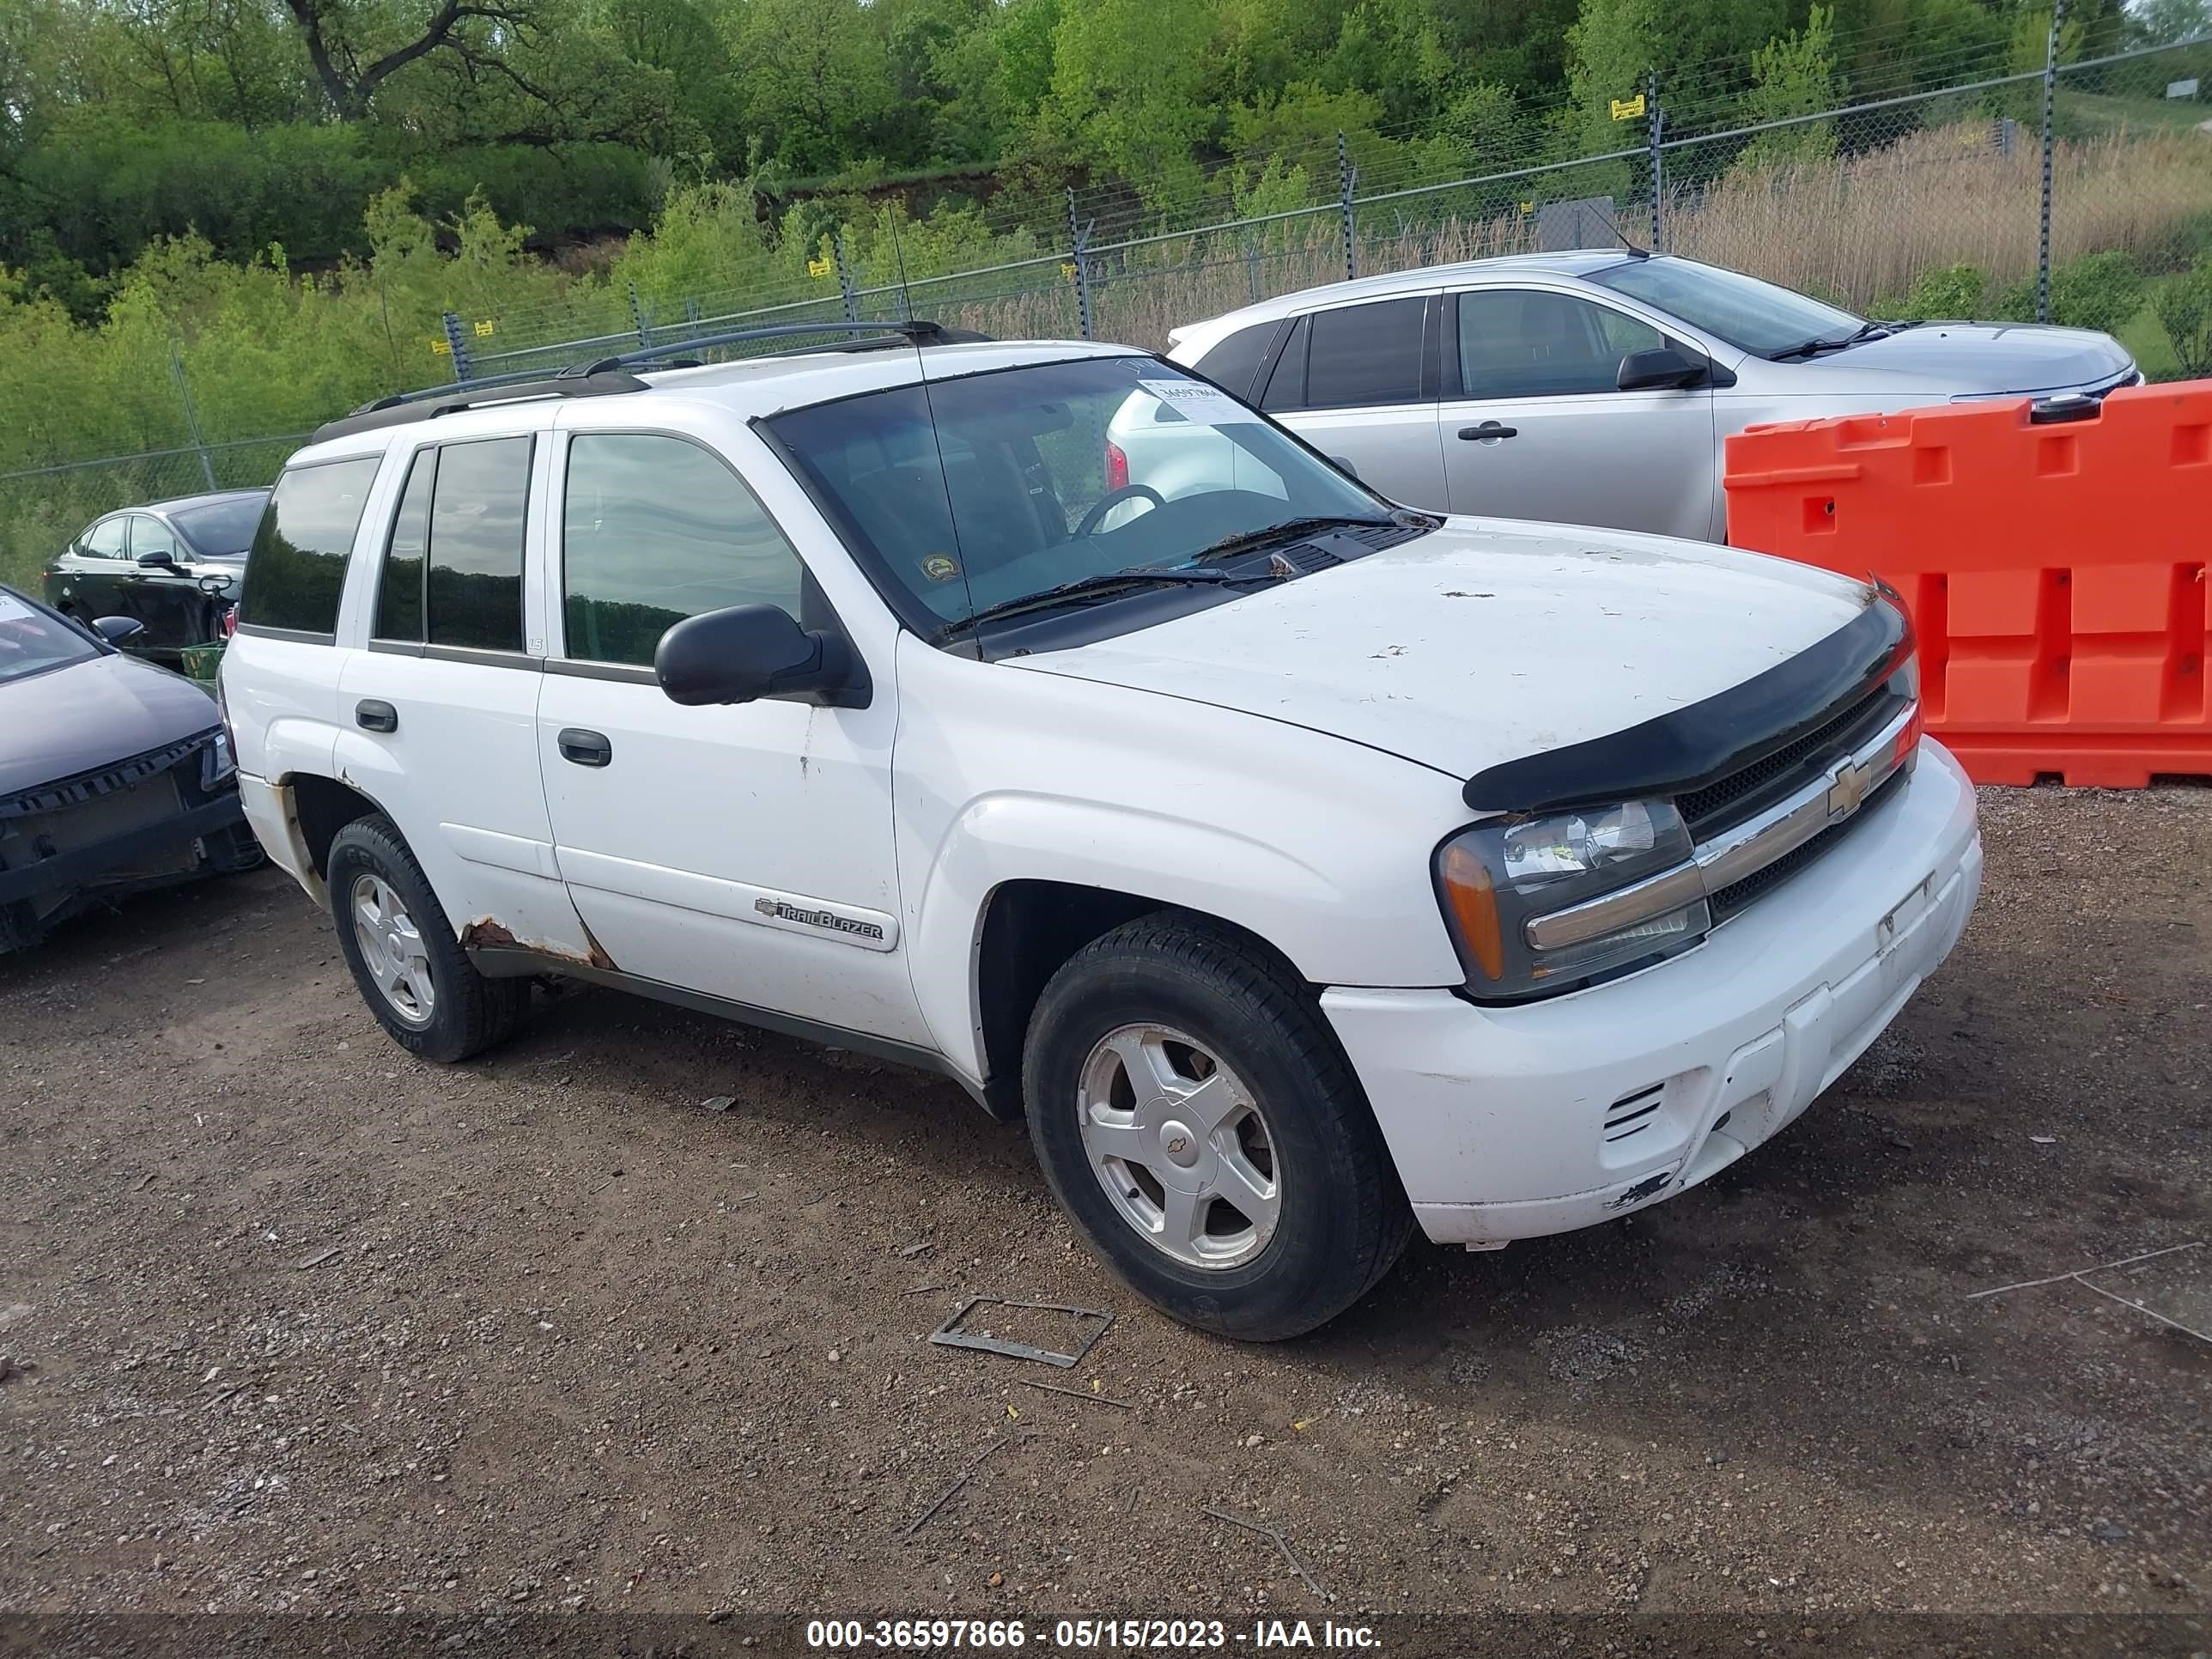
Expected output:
{"points": [[821, 267], [486, 329], [443, 348], [1628, 109]]}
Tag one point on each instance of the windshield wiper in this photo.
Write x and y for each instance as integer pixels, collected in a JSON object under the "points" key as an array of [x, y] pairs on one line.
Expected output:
{"points": [[1807, 348], [1289, 527], [1107, 582]]}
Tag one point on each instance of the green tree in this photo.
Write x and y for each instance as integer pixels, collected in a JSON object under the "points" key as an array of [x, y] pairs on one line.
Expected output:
{"points": [[1793, 75], [1127, 75]]}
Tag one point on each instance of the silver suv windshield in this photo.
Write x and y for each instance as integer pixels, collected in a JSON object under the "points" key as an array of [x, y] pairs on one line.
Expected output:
{"points": [[990, 494], [1729, 306]]}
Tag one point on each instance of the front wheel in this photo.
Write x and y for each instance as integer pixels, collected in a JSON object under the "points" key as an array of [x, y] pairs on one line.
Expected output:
{"points": [[1198, 1120], [409, 967]]}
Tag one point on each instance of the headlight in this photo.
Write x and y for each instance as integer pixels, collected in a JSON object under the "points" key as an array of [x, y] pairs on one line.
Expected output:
{"points": [[217, 762], [1540, 905]]}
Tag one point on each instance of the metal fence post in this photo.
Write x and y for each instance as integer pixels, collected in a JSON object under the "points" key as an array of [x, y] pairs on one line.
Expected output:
{"points": [[844, 276], [1080, 237], [2049, 96], [1346, 177], [637, 318], [1655, 123], [457, 341], [1252, 268], [191, 415], [691, 317]]}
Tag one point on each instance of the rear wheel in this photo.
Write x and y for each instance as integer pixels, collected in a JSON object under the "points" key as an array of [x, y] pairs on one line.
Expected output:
{"points": [[1196, 1117], [411, 971]]}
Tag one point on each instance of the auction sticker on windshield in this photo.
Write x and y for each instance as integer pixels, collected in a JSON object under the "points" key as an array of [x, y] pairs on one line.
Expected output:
{"points": [[1207, 405]]}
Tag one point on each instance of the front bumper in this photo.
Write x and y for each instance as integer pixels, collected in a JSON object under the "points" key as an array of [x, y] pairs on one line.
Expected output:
{"points": [[1516, 1122]]}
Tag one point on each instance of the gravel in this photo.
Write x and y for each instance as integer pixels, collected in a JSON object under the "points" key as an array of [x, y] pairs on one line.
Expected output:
{"points": [[538, 1332]]}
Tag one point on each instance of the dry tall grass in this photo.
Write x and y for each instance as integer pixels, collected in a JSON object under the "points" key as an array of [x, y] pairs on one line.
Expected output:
{"points": [[1858, 229]]}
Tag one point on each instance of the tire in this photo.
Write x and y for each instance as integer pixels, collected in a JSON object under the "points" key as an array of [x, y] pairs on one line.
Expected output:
{"points": [[462, 1012], [1217, 1003]]}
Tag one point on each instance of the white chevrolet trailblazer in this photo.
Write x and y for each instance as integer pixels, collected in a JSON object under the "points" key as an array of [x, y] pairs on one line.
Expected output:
{"points": [[1303, 867]]}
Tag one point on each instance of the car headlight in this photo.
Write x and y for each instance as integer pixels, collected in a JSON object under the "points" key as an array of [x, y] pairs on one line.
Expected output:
{"points": [[1540, 905], [217, 762]]}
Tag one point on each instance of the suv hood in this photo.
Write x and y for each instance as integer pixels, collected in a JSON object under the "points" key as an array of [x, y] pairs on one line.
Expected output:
{"points": [[1484, 642], [91, 714], [1970, 358]]}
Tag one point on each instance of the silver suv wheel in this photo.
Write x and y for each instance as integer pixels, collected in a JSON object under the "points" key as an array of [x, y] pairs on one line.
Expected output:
{"points": [[392, 950], [1180, 1145]]}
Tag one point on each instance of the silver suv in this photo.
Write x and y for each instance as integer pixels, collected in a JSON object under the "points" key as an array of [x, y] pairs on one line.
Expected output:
{"points": [[1588, 387]]}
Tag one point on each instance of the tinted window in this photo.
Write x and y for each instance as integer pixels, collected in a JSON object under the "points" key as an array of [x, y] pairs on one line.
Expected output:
{"points": [[477, 509], [1518, 343], [105, 541], [1365, 355], [300, 552], [399, 593], [1287, 386], [221, 530], [654, 529], [1235, 361], [150, 535]]}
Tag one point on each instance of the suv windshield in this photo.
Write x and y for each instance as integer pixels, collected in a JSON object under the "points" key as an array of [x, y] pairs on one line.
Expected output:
{"points": [[1035, 479], [223, 529], [32, 641], [1739, 309]]}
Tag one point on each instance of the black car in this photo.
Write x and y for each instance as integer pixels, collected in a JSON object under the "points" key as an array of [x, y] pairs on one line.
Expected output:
{"points": [[172, 566], [115, 774]]}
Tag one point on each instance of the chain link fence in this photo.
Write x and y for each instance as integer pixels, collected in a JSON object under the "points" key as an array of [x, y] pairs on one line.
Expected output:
{"points": [[1986, 195]]}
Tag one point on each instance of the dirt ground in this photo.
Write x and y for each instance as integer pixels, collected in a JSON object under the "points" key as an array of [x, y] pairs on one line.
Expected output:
{"points": [[298, 1324]]}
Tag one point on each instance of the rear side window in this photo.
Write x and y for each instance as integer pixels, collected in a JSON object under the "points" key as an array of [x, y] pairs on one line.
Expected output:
{"points": [[473, 596], [105, 541], [399, 594], [1234, 363], [1287, 386], [298, 563], [654, 529], [1368, 353]]}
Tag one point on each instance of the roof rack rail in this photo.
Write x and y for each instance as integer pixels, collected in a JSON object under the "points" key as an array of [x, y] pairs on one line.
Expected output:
{"points": [[607, 376], [919, 331]]}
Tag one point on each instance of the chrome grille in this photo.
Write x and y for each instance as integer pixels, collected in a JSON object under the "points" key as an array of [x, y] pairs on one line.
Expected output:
{"points": [[1773, 776], [1733, 897]]}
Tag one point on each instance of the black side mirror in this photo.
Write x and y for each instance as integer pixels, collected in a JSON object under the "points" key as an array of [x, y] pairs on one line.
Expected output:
{"points": [[162, 559], [1662, 368], [1343, 464], [117, 630], [753, 650]]}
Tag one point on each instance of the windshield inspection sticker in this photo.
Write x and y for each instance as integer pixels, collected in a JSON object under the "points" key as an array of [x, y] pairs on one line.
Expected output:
{"points": [[1206, 404], [939, 568]]}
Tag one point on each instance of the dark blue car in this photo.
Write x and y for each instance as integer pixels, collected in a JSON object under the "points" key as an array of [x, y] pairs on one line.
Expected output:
{"points": [[115, 775]]}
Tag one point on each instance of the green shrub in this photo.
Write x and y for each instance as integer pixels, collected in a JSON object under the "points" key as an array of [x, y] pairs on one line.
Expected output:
{"points": [[1946, 293], [2099, 290], [2183, 306]]}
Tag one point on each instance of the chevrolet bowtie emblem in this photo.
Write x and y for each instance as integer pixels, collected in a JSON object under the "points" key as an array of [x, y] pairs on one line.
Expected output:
{"points": [[1847, 787]]}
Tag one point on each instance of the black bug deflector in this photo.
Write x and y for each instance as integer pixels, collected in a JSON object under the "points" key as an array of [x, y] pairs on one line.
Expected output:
{"points": [[1692, 747]]}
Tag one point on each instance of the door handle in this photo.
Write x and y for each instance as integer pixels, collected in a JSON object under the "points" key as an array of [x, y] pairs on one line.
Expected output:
{"points": [[1488, 429], [585, 748], [372, 715]]}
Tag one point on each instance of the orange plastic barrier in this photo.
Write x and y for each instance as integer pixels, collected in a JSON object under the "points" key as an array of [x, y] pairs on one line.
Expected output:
{"points": [[2055, 568]]}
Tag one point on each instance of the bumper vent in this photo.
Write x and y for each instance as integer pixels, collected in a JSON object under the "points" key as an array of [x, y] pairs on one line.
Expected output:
{"points": [[1631, 1115]]}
